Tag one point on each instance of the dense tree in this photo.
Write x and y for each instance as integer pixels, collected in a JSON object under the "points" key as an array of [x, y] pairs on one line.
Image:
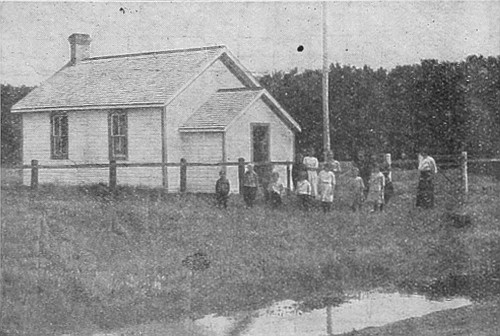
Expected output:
{"points": [[11, 124], [401, 99], [482, 97], [445, 107], [357, 110], [440, 107]]}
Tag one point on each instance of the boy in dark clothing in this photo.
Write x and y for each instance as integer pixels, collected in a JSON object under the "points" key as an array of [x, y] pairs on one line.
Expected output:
{"points": [[358, 191], [303, 190], [222, 188]]}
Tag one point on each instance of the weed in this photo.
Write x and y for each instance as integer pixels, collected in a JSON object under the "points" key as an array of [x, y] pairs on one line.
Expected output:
{"points": [[86, 274]]}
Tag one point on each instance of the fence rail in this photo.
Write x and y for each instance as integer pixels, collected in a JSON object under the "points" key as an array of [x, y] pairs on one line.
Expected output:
{"points": [[145, 165], [444, 162], [182, 165], [455, 169]]}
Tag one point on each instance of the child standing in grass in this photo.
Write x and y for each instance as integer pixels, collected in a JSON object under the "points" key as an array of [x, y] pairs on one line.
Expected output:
{"points": [[222, 188], [275, 190], [376, 194], [358, 191], [303, 190], [326, 186], [250, 185]]}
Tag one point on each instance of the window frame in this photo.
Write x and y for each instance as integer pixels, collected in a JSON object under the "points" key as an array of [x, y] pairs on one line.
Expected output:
{"points": [[59, 149], [122, 134]]}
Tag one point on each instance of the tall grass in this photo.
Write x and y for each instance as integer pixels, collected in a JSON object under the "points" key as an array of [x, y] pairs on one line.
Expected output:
{"points": [[106, 262]]}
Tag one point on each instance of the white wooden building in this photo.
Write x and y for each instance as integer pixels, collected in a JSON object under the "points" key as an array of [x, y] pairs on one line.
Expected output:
{"points": [[200, 104]]}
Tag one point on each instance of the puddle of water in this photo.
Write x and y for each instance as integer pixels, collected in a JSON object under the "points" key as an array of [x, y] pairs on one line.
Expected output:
{"points": [[367, 310]]}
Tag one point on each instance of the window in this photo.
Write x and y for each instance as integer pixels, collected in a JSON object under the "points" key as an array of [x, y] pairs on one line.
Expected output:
{"points": [[118, 135], [59, 136]]}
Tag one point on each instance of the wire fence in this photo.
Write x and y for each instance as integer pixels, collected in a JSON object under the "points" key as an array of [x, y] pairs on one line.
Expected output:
{"points": [[452, 178], [453, 173]]}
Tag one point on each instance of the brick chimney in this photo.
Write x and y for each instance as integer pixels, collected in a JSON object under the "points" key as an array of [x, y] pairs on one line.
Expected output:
{"points": [[79, 46]]}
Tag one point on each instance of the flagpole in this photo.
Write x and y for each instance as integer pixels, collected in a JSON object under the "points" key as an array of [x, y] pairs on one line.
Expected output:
{"points": [[326, 115]]}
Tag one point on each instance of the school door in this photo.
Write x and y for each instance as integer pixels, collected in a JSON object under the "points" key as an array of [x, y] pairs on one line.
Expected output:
{"points": [[260, 143]]}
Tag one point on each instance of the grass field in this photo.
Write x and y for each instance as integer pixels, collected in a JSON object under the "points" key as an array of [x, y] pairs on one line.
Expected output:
{"points": [[75, 259]]}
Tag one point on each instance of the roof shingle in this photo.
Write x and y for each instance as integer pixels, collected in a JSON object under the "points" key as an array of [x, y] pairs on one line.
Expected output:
{"points": [[221, 109], [146, 78]]}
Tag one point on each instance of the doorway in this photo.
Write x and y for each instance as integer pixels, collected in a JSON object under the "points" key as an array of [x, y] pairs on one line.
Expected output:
{"points": [[260, 143]]}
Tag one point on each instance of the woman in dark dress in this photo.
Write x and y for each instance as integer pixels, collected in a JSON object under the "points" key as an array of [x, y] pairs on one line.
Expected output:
{"points": [[425, 192], [365, 163]]}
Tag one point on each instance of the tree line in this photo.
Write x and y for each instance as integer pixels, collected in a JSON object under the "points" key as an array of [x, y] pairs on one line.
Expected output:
{"points": [[12, 124], [445, 107]]}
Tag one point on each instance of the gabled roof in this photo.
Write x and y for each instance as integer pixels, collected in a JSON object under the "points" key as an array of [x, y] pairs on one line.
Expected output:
{"points": [[150, 79], [221, 109], [226, 105]]}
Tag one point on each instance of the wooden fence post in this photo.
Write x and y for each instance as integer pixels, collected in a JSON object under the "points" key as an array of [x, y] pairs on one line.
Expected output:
{"points": [[112, 175], [464, 173], [183, 175], [241, 173], [329, 320], [164, 174], [288, 177], [34, 174]]}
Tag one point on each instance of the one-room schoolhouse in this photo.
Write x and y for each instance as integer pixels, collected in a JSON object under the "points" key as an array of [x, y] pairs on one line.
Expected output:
{"points": [[149, 110]]}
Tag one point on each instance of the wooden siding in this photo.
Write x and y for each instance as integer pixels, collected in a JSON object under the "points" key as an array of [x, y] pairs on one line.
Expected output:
{"points": [[88, 140], [224, 78], [178, 111], [88, 136], [238, 139], [144, 145], [239, 142], [202, 147], [69, 176], [36, 137], [133, 176], [139, 176], [144, 135], [88, 143]]}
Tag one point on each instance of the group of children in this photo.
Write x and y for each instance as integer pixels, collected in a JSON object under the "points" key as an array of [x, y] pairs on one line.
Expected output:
{"points": [[250, 186], [378, 191]]}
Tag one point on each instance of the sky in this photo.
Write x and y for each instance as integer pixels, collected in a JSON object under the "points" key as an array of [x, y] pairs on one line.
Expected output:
{"points": [[265, 36]]}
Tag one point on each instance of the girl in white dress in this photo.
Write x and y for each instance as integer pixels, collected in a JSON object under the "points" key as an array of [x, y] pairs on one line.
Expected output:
{"points": [[376, 193], [312, 165], [326, 186]]}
